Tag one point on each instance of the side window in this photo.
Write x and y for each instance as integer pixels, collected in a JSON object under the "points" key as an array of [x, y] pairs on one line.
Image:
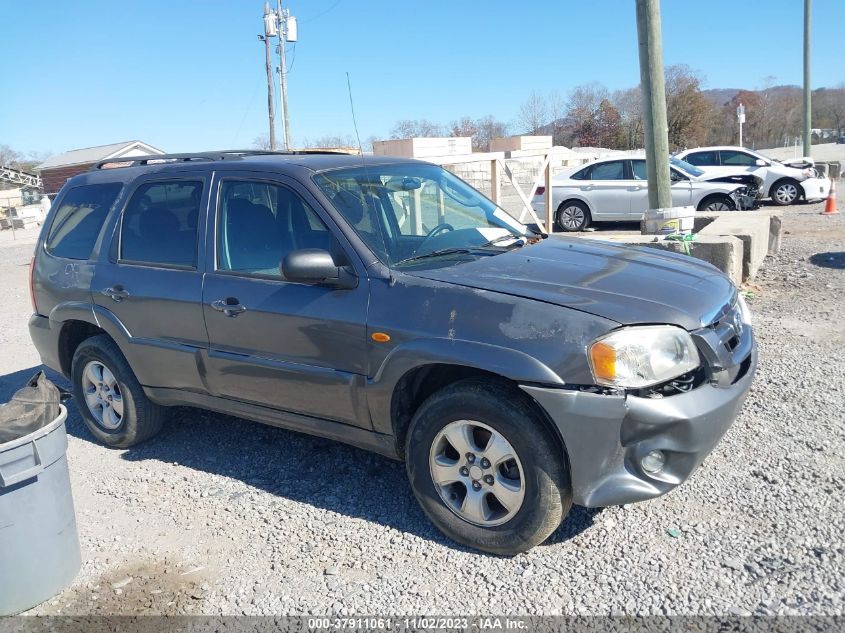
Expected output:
{"points": [[702, 159], [259, 223], [160, 224], [737, 159], [78, 221], [639, 169], [614, 170], [583, 174]]}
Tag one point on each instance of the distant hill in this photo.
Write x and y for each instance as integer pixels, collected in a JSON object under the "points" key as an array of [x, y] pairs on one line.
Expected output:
{"points": [[721, 96]]}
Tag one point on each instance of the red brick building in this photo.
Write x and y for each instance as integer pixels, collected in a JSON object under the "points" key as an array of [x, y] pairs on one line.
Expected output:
{"points": [[57, 169]]}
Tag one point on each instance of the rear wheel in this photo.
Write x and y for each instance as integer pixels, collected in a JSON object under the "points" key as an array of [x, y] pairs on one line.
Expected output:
{"points": [[112, 403], [485, 468], [717, 202], [572, 215], [785, 192]]}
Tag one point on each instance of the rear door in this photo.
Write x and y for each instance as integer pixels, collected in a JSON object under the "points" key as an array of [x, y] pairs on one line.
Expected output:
{"points": [[149, 282], [286, 345]]}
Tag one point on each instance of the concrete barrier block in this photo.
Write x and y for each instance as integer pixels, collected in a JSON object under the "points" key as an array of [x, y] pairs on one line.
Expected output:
{"points": [[754, 232], [834, 169], [774, 216], [724, 252]]}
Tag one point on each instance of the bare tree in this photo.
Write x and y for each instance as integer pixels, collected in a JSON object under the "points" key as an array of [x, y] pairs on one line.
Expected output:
{"points": [[534, 113], [482, 131], [629, 104], [829, 107], [413, 128], [331, 141], [689, 112], [262, 141], [488, 129]]}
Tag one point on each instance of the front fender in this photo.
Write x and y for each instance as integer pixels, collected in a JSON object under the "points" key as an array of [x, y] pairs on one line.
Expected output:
{"points": [[506, 362]]}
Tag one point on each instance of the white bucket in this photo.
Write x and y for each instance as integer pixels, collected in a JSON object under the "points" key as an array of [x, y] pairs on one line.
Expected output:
{"points": [[670, 220]]}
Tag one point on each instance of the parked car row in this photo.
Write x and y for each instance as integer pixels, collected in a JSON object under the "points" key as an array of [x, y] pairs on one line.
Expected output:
{"points": [[709, 178]]}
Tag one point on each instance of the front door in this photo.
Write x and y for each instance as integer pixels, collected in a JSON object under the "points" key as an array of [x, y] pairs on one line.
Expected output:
{"points": [[608, 191], [291, 346]]}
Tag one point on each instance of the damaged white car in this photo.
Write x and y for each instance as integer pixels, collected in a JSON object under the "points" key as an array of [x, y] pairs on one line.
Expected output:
{"points": [[616, 189], [785, 182]]}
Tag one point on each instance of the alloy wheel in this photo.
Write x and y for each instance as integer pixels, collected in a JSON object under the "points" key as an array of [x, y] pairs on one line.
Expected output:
{"points": [[572, 217], [102, 395], [477, 473]]}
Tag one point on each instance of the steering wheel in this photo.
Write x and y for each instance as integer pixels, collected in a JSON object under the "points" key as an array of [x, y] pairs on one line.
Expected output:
{"points": [[443, 226]]}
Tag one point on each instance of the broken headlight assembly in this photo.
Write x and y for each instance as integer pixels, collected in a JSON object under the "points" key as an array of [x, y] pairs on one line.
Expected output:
{"points": [[641, 356]]}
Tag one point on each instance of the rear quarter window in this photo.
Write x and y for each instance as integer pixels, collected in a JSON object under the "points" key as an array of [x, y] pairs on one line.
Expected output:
{"points": [[77, 222]]}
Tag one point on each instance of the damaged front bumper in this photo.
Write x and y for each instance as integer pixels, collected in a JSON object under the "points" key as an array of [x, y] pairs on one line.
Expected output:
{"points": [[607, 436], [816, 188]]}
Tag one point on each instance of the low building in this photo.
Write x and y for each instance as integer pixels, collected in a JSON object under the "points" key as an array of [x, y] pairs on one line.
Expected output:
{"points": [[56, 170]]}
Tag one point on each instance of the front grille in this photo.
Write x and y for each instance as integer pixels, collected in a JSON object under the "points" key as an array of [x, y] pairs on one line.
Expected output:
{"points": [[725, 345]]}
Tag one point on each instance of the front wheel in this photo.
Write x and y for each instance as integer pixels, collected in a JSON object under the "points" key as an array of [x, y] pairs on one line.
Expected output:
{"points": [[785, 192], [485, 468], [717, 202]]}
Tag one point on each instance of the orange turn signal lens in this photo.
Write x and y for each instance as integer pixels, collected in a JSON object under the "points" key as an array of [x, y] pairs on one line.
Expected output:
{"points": [[380, 337], [603, 360]]}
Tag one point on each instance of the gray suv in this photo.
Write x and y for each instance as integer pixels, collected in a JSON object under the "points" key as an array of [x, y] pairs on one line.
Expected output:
{"points": [[384, 303]]}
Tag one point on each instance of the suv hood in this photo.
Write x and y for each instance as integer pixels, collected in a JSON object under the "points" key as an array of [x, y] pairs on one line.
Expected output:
{"points": [[626, 284]]}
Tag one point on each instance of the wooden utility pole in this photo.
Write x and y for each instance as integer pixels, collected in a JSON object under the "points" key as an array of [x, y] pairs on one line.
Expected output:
{"points": [[269, 31], [808, 135], [653, 85], [271, 108], [283, 74]]}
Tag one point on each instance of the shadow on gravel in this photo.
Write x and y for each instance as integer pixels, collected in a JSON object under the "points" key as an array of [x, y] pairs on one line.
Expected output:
{"points": [[311, 470], [10, 383], [829, 260]]}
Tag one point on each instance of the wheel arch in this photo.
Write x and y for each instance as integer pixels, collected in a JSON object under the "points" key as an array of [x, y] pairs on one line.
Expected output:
{"points": [[784, 179], [413, 372], [72, 334]]}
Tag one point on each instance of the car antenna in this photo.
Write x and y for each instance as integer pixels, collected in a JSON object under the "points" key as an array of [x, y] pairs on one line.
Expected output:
{"points": [[364, 163]]}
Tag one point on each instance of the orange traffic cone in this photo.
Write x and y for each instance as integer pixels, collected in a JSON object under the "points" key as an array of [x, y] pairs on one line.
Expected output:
{"points": [[830, 205]]}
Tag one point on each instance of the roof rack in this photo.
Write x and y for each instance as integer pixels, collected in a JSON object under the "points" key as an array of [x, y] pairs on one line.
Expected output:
{"points": [[230, 154]]}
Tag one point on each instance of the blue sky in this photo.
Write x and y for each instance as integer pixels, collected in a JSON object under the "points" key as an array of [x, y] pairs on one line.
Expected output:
{"points": [[189, 75]]}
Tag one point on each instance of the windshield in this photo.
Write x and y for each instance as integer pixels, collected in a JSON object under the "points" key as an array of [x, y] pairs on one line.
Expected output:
{"points": [[409, 211], [692, 170]]}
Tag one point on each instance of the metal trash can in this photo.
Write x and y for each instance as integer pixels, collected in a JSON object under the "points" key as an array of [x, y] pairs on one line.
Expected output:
{"points": [[39, 544]]}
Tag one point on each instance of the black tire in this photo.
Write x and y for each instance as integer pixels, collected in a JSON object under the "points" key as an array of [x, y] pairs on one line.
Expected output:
{"points": [[547, 492], [717, 198], [141, 418], [785, 192], [567, 221]]}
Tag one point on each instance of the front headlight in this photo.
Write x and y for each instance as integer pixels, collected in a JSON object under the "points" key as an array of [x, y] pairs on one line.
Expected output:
{"points": [[640, 356], [744, 312]]}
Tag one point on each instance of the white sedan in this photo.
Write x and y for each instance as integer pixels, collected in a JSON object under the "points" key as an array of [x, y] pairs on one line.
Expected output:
{"points": [[783, 181], [616, 189]]}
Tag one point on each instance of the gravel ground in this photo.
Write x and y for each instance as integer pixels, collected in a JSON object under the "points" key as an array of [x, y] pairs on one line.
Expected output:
{"points": [[223, 516]]}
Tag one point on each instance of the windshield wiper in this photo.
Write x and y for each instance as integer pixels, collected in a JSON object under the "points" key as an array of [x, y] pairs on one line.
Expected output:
{"points": [[518, 239], [437, 253]]}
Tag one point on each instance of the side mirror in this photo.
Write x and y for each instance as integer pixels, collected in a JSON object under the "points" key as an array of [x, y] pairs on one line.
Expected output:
{"points": [[760, 162], [316, 266]]}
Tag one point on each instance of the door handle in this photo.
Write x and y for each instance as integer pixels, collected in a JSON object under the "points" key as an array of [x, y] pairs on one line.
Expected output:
{"points": [[229, 306], [117, 293]]}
